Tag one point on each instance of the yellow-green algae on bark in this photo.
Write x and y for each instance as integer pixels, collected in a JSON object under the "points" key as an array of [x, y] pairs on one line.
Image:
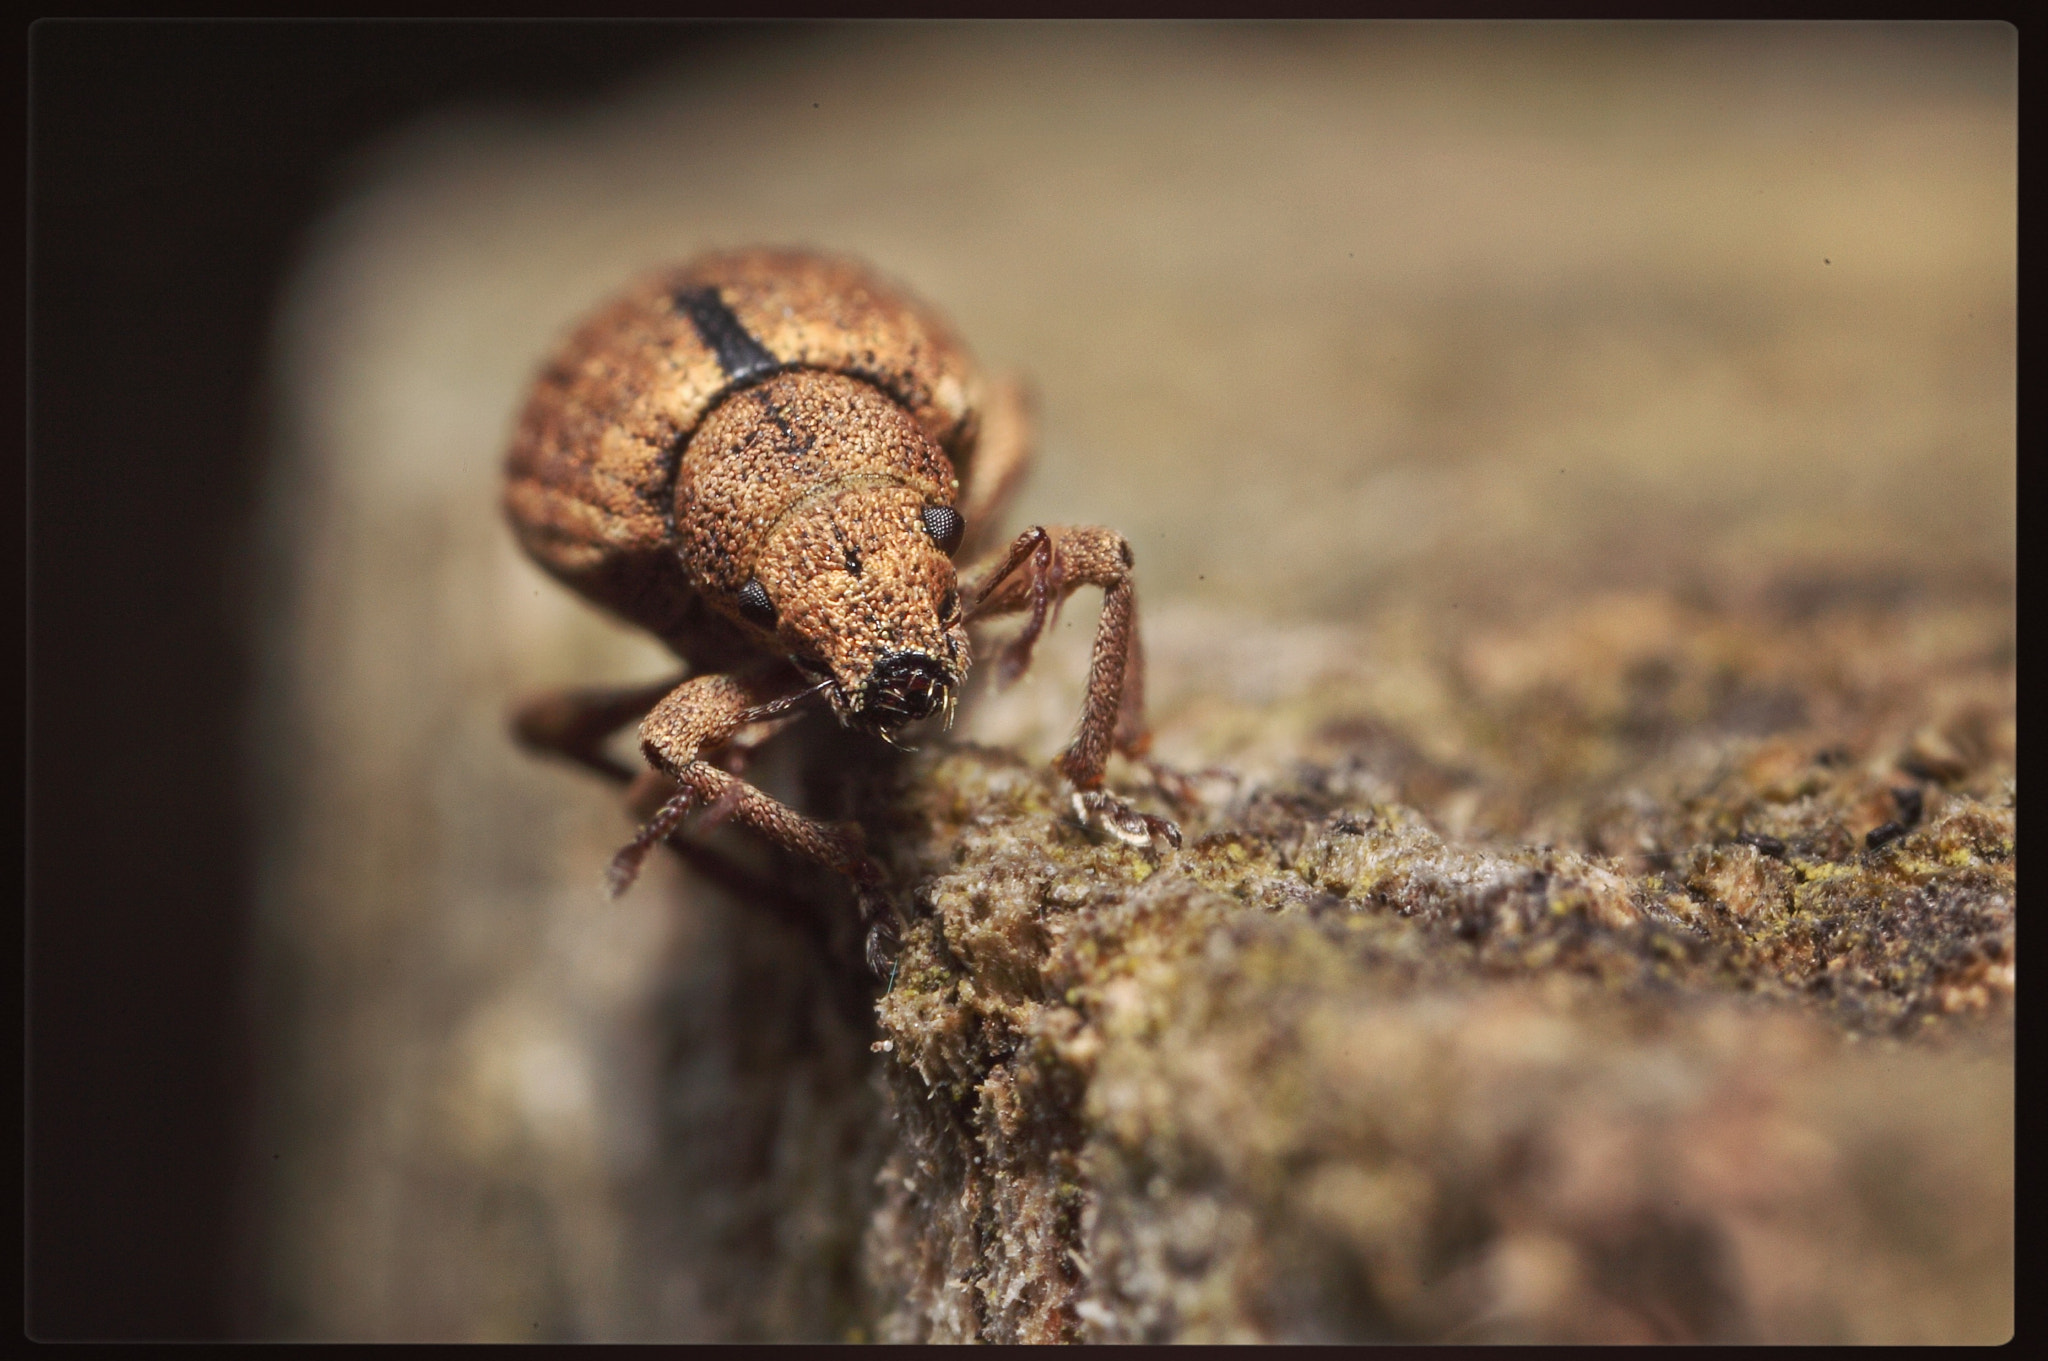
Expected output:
{"points": [[1330, 1074]]}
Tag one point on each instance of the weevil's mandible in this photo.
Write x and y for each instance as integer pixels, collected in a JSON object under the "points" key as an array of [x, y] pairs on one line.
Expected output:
{"points": [[770, 460]]}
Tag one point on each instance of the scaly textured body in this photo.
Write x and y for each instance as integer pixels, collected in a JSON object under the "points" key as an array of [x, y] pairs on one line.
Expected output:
{"points": [[769, 459]]}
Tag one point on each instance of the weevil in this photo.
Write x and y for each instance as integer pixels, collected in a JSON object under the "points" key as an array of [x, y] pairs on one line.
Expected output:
{"points": [[770, 460]]}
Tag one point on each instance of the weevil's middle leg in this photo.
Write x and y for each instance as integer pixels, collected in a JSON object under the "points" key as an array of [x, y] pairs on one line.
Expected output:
{"points": [[696, 719], [575, 723], [1043, 567], [1004, 589], [993, 472]]}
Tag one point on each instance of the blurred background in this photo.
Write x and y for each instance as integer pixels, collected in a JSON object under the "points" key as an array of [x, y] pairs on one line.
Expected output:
{"points": [[175, 171], [1353, 329]]}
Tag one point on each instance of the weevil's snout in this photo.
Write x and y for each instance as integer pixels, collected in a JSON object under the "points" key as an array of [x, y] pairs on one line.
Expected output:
{"points": [[903, 688], [864, 596]]}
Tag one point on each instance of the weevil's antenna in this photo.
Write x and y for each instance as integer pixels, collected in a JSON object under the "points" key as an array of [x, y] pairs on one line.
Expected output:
{"points": [[783, 704]]}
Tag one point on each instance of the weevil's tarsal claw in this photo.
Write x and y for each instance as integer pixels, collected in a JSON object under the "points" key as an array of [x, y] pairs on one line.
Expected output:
{"points": [[882, 944], [884, 916], [1125, 823]]}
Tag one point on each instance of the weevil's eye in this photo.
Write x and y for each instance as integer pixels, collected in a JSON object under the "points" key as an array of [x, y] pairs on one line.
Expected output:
{"points": [[949, 606], [945, 525], [755, 606]]}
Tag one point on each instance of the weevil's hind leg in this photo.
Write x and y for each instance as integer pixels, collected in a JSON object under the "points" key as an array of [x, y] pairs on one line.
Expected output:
{"points": [[575, 723], [1050, 564], [993, 473], [696, 719], [651, 788]]}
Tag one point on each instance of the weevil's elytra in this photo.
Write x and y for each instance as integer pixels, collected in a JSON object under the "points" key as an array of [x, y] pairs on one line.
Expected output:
{"points": [[769, 460], [741, 356]]}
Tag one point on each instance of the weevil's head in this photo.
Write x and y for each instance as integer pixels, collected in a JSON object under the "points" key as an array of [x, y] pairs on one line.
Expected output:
{"points": [[834, 547], [864, 596]]}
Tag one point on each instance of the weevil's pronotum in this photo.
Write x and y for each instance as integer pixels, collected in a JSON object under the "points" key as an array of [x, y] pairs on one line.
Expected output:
{"points": [[770, 460]]}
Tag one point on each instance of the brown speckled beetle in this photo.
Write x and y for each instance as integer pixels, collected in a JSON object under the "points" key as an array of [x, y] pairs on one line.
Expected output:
{"points": [[769, 460]]}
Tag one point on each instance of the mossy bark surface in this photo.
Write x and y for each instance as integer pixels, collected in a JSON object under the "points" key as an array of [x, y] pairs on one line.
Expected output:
{"points": [[1329, 1073]]}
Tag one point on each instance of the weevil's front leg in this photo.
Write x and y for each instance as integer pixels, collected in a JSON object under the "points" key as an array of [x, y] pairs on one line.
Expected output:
{"points": [[576, 724], [696, 719], [1043, 567]]}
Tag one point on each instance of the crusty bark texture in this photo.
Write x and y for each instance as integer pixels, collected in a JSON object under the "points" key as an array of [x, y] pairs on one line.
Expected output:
{"points": [[1702, 1061]]}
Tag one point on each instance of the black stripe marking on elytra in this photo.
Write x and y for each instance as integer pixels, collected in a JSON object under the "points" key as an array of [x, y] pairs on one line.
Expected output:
{"points": [[739, 354]]}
